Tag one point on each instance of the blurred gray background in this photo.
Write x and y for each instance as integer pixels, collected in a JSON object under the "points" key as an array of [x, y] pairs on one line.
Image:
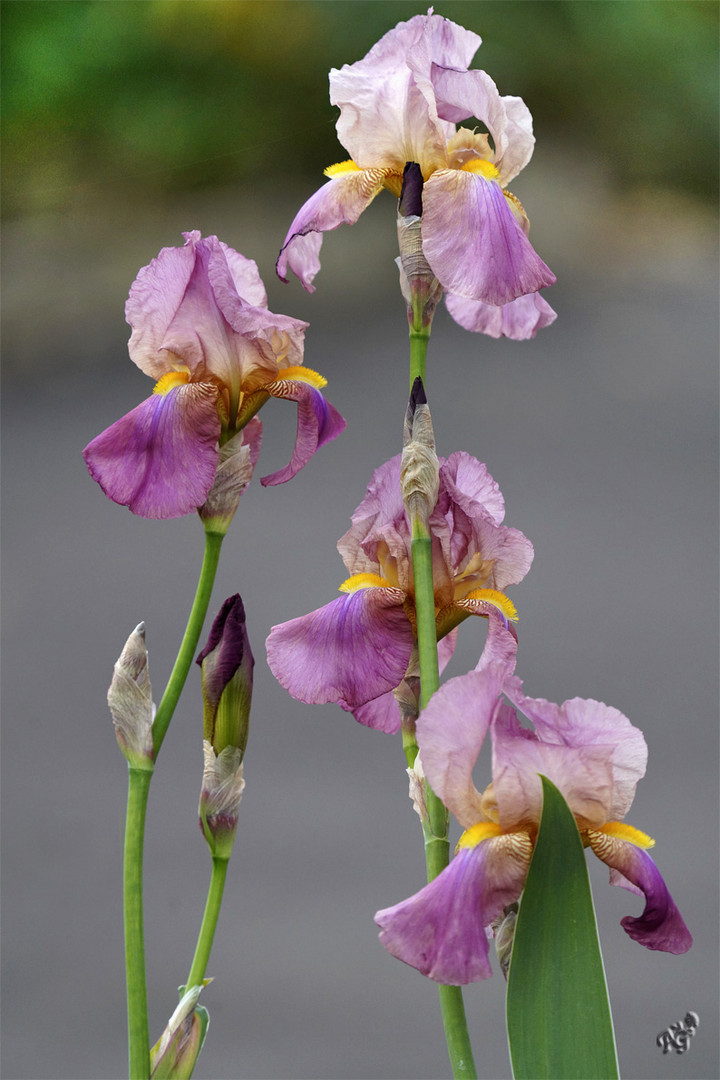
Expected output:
{"points": [[127, 123]]}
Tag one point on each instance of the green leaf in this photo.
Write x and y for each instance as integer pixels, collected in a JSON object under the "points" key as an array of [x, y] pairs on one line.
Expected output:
{"points": [[558, 1012]]}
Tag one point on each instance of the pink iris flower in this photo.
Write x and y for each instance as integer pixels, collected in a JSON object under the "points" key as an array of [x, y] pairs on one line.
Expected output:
{"points": [[201, 328], [400, 104], [589, 750], [355, 651]]}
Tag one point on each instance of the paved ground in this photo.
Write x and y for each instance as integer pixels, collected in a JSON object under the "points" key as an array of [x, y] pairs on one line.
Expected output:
{"points": [[603, 436]]}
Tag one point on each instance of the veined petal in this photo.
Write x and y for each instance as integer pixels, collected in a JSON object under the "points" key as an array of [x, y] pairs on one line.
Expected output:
{"points": [[340, 201], [383, 713], [519, 320], [155, 296], [441, 929], [350, 651], [450, 733], [581, 724], [661, 926], [318, 422], [461, 94], [160, 459], [473, 242]]}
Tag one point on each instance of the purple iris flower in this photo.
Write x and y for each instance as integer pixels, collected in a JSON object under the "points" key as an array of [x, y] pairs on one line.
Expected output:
{"points": [[589, 750], [202, 329], [400, 104], [357, 649]]}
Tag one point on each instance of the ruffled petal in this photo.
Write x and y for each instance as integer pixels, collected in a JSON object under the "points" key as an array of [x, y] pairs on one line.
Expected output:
{"points": [[471, 486], [473, 242], [155, 296], [661, 926], [582, 724], [160, 459], [519, 320], [461, 94], [318, 422], [350, 651], [340, 201], [387, 103], [450, 733], [441, 929]]}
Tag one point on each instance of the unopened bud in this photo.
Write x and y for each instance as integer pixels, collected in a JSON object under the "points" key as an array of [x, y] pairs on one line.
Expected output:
{"points": [[236, 461], [227, 677], [419, 286], [176, 1051], [222, 789], [504, 933], [130, 701], [419, 469]]}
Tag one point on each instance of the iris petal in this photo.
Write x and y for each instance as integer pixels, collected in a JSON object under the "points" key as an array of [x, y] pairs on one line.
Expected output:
{"points": [[160, 459], [318, 422], [441, 929], [661, 926], [518, 320], [350, 651], [474, 244]]}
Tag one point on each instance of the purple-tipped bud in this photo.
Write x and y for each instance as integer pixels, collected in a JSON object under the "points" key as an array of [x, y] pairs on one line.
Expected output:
{"points": [[130, 701], [419, 470], [410, 204], [227, 676]]}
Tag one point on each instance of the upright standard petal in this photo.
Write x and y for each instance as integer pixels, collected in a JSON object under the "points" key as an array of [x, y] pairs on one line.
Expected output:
{"points": [[661, 926], [159, 460], [318, 422], [473, 242], [519, 320], [350, 651]]}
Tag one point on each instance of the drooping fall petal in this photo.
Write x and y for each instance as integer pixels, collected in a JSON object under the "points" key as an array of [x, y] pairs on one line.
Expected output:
{"points": [[159, 460], [473, 241], [518, 320], [318, 422], [661, 926], [352, 650]]}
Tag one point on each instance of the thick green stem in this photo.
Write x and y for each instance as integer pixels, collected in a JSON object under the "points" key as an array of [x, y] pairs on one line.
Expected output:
{"points": [[138, 1037], [179, 673], [437, 846], [209, 922], [419, 337]]}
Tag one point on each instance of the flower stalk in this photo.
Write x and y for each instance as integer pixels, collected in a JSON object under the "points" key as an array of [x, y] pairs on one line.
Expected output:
{"points": [[137, 1013], [209, 920]]}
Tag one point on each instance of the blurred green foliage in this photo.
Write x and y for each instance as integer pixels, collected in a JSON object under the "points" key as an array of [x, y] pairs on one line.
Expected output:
{"points": [[171, 95]]}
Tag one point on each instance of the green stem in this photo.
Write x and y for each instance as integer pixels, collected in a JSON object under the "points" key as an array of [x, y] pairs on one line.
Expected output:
{"points": [[179, 673], [437, 845], [209, 922], [419, 337], [138, 790], [138, 1036]]}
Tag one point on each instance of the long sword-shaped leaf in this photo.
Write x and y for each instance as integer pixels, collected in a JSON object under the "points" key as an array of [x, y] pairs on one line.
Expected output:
{"points": [[558, 1012]]}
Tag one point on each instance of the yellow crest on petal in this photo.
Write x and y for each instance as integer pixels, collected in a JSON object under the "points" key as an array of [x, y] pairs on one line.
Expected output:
{"points": [[497, 599], [170, 380], [364, 581], [301, 374], [481, 167], [341, 169], [483, 830], [620, 831]]}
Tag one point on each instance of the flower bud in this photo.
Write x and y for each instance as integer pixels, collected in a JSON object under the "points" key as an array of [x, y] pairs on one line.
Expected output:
{"points": [[420, 288], [222, 789], [419, 469], [176, 1051], [227, 664], [236, 461], [130, 701]]}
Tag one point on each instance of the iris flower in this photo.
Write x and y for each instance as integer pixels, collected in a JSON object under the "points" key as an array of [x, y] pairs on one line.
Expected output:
{"points": [[355, 651], [201, 328], [589, 750], [400, 104]]}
